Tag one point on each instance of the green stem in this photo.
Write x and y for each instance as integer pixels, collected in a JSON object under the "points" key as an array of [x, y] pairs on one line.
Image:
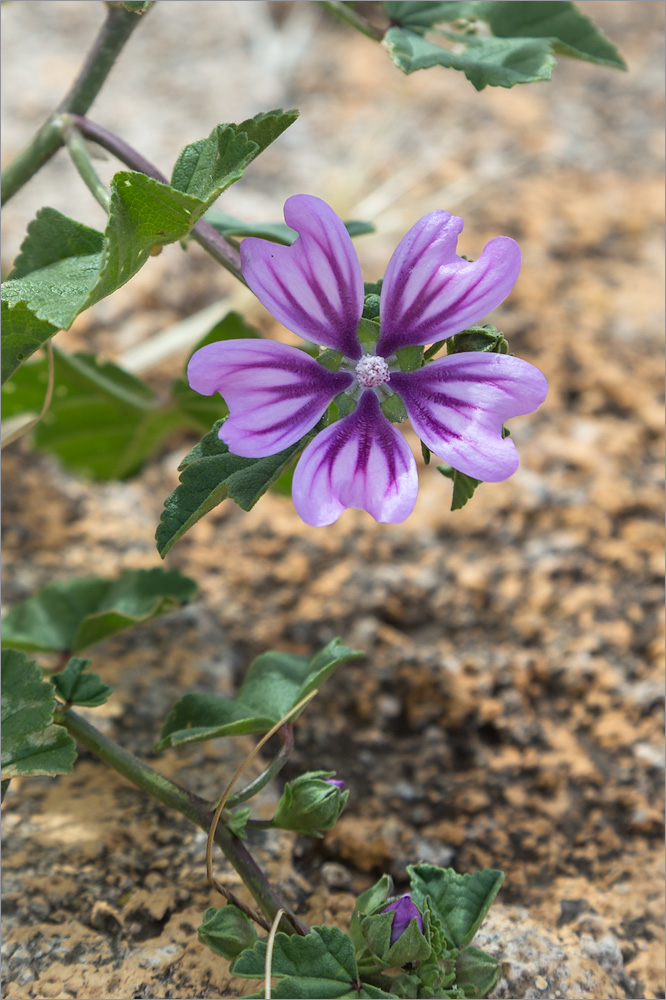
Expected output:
{"points": [[189, 805], [113, 35], [202, 233], [275, 766], [349, 16], [81, 160]]}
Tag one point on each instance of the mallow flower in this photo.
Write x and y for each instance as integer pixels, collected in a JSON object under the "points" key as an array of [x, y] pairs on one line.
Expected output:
{"points": [[457, 404]]}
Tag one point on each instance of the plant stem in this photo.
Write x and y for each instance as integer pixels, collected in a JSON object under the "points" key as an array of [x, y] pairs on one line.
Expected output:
{"points": [[202, 233], [189, 805], [81, 160], [114, 33], [349, 16], [275, 766]]}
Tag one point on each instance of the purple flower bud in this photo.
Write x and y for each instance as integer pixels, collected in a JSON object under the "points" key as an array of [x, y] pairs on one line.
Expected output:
{"points": [[405, 912], [335, 781]]}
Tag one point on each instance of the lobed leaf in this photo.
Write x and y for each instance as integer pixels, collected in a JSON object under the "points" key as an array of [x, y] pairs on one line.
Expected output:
{"points": [[31, 744], [477, 972], [209, 474], [102, 422], [76, 687], [274, 684], [460, 902], [320, 965], [518, 43], [74, 614], [65, 267]]}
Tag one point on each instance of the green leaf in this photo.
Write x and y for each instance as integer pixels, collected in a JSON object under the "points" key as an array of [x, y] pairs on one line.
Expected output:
{"points": [[103, 422], [78, 613], [275, 682], [209, 474], [65, 267], [31, 744], [227, 931], [459, 901], [276, 232], [209, 166], [477, 972], [498, 62], [517, 42], [320, 965], [463, 485], [76, 687], [237, 822]]}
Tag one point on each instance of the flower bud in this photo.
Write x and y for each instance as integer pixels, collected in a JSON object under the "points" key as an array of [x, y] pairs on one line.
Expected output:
{"points": [[404, 911], [311, 803]]}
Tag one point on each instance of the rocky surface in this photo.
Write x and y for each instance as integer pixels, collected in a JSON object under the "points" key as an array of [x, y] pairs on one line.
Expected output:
{"points": [[509, 710]]}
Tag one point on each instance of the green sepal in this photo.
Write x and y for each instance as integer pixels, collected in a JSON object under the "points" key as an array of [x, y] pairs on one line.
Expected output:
{"points": [[485, 338], [425, 451], [393, 408], [309, 804], [368, 335], [463, 486], [368, 902], [330, 359], [342, 406], [227, 931], [77, 687], [410, 358], [31, 744]]}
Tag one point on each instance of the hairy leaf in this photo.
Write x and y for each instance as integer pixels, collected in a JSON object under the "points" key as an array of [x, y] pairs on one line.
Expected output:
{"points": [[460, 902], [77, 687], [274, 684], [209, 474], [31, 744], [74, 614]]}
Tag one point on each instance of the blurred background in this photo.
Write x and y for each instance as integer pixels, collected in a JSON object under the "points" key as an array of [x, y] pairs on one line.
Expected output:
{"points": [[509, 712]]}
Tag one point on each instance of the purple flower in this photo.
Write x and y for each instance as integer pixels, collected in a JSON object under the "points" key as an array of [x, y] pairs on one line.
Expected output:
{"points": [[338, 782], [456, 404], [405, 912]]}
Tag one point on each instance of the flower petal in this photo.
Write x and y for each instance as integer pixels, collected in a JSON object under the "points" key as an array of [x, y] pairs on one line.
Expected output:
{"points": [[361, 461], [275, 393], [429, 292], [457, 406], [315, 286]]}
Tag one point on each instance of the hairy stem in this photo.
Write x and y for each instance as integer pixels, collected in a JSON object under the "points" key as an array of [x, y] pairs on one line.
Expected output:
{"points": [[81, 160], [349, 16], [203, 233], [113, 35], [189, 805]]}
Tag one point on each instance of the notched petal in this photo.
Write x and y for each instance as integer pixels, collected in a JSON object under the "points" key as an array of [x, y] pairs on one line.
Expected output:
{"points": [[275, 393], [430, 293], [361, 461], [315, 286], [457, 406]]}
